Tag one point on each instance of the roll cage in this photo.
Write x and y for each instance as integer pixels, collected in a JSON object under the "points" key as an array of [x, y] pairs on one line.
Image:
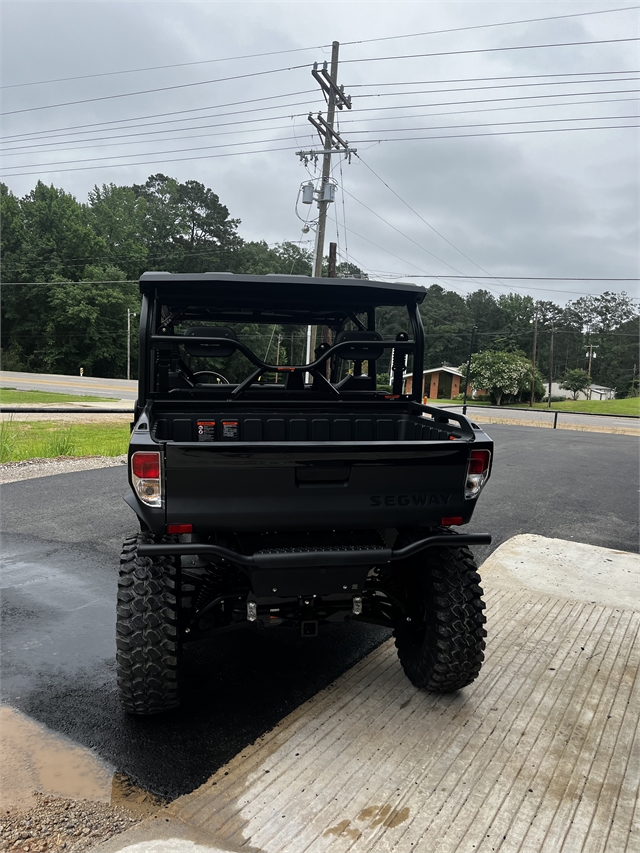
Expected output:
{"points": [[170, 300]]}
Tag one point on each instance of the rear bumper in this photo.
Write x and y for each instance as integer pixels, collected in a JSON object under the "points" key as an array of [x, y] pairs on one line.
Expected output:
{"points": [[299, 558]]}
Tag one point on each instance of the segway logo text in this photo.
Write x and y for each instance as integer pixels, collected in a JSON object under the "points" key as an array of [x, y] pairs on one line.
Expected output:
{"points": [[409, 500]]}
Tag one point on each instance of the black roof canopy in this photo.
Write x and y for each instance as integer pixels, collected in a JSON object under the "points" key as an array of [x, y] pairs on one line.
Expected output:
{"points": [[227, 290]]}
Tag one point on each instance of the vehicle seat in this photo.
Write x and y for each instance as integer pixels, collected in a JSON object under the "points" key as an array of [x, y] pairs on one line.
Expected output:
{"points": [[362, 348], [212, 350]]}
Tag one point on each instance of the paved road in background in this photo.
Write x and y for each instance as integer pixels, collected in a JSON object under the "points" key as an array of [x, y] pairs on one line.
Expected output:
{"points": [[545, 417], [123, 389], [119, 389], [61, 539]]}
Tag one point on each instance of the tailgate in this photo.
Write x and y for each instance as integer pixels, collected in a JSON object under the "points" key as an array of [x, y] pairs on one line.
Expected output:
{"points": [[316, 486]]}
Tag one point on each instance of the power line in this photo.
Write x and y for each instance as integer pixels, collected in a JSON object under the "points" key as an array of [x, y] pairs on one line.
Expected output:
{"points": [[498, 124], [483, 79], [66, 131], [153, 91], [488, 101], [156, 153], [488, 50], [89, 143], [406, 236], [291, 148], [374, 130], [163, 67], [316, 47], [505, 86], [41, 145], [297, 67], [79, 127], [496, 24], [428, 224], [545, 278], [516, 286], [498, 109]]}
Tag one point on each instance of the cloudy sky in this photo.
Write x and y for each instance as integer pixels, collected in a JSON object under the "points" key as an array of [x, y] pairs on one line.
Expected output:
{"points": [[473, 158]]}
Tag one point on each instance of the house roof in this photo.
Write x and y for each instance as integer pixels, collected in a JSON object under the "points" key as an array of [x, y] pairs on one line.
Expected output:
{"points": [[438, 370]]}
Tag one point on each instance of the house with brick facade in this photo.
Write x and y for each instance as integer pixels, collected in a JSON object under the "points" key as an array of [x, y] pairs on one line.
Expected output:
{"points": [[443, 382]]}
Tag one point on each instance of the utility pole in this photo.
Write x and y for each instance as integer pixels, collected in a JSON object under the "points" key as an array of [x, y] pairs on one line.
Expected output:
{"points": [[550, 366], [278, 354], [332, 144], [474, 329], [326, 163], [333, 250], [533, 359], [590, 355], [129, 316]]}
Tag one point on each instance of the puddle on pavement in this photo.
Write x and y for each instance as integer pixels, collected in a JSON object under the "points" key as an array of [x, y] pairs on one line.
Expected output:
{"points": [[34, 758]]}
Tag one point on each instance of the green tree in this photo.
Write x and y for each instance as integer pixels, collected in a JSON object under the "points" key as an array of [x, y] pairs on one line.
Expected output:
{"points": [[516, 318], [349, 270], [58, 241], [447, 327], [576, 381], [258, 258], [12, 235], [499, 372], [185, 227], [117, 215], [484, 312]]}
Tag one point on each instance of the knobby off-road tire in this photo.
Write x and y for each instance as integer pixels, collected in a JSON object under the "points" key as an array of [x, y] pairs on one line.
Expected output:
{"points": [[442, 648], [147, 631]]}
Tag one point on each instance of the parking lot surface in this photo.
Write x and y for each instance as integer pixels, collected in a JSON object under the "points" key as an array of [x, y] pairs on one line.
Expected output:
{"points": [[539, 754]]}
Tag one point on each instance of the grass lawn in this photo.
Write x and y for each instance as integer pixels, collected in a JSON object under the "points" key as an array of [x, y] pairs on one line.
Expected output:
{"points": [[626, 406], [46, 439], [10, 395]]}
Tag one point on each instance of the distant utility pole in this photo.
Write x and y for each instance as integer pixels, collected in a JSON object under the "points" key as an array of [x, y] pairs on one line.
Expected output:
{"points": [[533, 359], [550, 366], [129, 316], [333, 249], [590, 355]]}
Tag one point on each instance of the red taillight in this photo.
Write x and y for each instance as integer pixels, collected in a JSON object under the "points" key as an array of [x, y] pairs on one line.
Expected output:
{"points": [[448, 520], [146, 466], [179, 528], [479, 461]]}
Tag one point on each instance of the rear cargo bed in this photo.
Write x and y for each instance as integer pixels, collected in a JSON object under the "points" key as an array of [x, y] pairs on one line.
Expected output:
{"points": [[276, 426]]}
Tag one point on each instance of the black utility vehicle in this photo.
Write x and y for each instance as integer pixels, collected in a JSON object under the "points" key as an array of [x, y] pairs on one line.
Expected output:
{"points": [[278, 489]]}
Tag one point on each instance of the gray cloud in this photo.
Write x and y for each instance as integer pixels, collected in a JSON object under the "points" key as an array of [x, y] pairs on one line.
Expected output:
{"points": [[534, 204]]}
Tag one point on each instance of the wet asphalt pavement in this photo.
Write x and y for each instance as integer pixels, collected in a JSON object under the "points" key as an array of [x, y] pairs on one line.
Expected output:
{"points": [[61, 537]]}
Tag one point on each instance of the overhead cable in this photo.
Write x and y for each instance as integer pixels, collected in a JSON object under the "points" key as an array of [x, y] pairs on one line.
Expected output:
{"points": [[297, 67], [494, 24], [39, 170], [319, 47], [374, 130], [112, 141], [153, 91], [79, 127], [487, 50]]}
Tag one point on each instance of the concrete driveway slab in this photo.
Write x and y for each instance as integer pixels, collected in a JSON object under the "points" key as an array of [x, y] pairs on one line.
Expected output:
{"points": [[541, 753]]}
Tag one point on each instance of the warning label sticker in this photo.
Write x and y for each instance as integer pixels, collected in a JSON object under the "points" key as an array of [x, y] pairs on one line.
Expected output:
{"points": [[230, 430], [206, 430]]}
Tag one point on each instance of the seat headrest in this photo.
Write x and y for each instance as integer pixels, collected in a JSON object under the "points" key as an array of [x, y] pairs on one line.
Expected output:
{"points": [[214, 349], [362, 347]]}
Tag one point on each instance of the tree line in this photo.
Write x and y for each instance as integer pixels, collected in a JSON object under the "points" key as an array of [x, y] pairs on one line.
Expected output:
{"points": [[70, 268]]}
